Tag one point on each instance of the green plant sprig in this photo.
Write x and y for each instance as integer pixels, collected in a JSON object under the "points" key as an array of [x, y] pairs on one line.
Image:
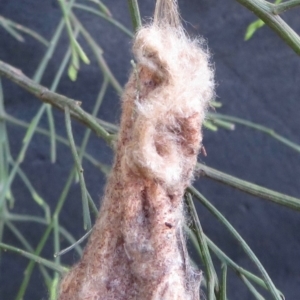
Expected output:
{"points": [[35, 258], [248, 187], [265, 11], [55, 99], [105, 17], [135, 14], [269, 283], [85, 205], [211, 275], [280, 7], [61, 200], [258, 127], [103, 8], [77, 51]]}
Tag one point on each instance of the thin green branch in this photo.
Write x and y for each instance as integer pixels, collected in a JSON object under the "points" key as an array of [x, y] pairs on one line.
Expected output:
{"points": [[92, 204], [221, 123], [53, 289], [52, 131], [54, 99], [56, 238], [30, 267], [264, 10], [1, 233], [53, 43], [223, 290], [2, 111], [250, 188], [86, 137], [104, 168], [251, 288], [271, 287], [192, 236], [37, 259], [24, 29], [110, 127], [212, 278], [234, 266], [95, 111], [37, 77], [209, 125], [258, 127], [44, 239], [26, 141], [53, 88], [102, 7], [62, 67], [135, 14], [4, 161], [71, 240], [28, 247], [85, 205], [77, 51], [104, 16], [98, 55], [66, 250], [34, 194], [284, 6], [11, 31], [61, 201], [23, 218], [28, 218]]}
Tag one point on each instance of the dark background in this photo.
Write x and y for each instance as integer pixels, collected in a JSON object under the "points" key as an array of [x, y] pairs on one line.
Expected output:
{"points": [[257, 80]]}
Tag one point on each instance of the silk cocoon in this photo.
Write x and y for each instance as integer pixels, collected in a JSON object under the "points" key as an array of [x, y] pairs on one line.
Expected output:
{"points": [[137, 248]]}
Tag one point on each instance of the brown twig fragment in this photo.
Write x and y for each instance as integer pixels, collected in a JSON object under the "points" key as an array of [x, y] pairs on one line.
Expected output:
{"points": [[137, 249]]}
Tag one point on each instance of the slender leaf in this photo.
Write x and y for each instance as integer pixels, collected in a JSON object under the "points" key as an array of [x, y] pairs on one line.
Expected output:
{"points": [[269, 283], [85, 205]]}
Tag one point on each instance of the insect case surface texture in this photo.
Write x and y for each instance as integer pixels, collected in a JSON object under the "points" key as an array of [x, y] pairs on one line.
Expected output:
{"points": [[137, 249]]}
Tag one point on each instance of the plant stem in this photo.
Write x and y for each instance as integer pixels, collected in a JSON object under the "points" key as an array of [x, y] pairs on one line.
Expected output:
{"points": [[24, 29], [85, 205], [250, 188], [264, 10], [45, 236], [243, 244], [102, 15], [223, 290], [264, 129], [26, 142], [234, 266], [135, 14], [11, 31], [98, 54], [251, 288], [282, 7], [64, 251], [28, 247], [104, 168], [54, 99], [212, 279], [35, 258], [35, 196], [28, 218]]}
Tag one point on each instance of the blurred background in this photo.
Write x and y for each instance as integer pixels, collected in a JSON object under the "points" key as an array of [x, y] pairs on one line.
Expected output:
{"points": [[257, 80]]}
